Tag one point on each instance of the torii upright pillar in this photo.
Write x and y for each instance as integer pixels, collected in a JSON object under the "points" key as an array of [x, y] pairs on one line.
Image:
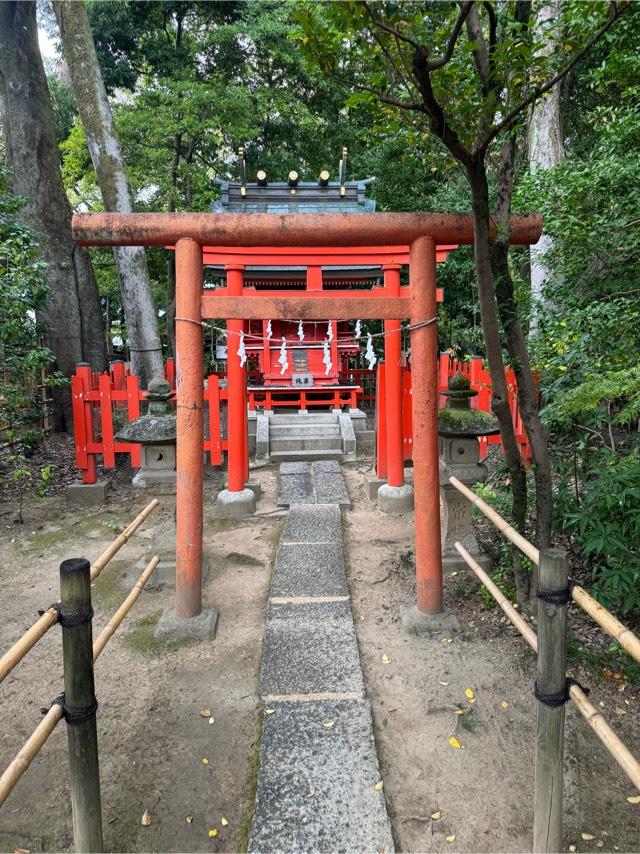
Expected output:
{"points": [[395, 496], [236, 499]]}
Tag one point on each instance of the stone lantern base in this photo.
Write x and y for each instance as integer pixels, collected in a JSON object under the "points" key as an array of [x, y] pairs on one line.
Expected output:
{"points": [[459, 457], [157, 473]]}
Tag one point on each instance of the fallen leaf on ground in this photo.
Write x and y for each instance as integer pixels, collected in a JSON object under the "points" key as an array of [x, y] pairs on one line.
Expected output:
{"points": [[205, 761], [328, 724], [459, 712], [442, 683], [451, 838], [634, 799], [212, 720], [392, 709], [620, 712], [223, 821], [145, 821], [189, 819], [378, 786], [269, 711], [205, 713], [453, 741], [213, 832], [468, 692], [599, 843], [504, 704], [436, 815], [385, 659], [572, 848], [587, 837]]}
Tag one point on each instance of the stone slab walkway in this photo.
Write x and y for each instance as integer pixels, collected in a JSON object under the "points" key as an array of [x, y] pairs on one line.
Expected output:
{"points": [[316, 788], [320, 482]]}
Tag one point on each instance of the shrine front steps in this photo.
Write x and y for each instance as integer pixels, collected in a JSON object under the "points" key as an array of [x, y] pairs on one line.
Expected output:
{"points": [[312, 436]]}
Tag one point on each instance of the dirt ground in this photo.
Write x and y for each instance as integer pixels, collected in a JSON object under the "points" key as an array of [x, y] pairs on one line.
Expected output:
{"points": [[153, 738]]}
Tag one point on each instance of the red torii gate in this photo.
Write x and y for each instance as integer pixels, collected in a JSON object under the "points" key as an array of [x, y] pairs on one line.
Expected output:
{"points": [[189, 232], [235, 259]]}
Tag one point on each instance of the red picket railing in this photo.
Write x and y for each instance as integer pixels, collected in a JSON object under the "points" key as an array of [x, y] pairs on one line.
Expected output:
{"points": [[480, 381], [100, 399]]}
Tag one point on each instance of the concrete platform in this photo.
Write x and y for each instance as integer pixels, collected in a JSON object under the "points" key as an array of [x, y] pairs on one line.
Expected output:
{"points": [[233, 504], [310, 649], [171, 628], [309, 569], [316, 788], [89, 494]]}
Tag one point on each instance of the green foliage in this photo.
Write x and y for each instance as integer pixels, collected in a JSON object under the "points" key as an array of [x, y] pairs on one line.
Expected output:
{"points": [[23, 293], [605, 524]]}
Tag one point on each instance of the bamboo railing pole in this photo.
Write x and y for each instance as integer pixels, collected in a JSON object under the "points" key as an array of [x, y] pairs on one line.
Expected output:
{"points": [[624, 636], [80, 705], [99, 564], [623, 756], [28, 752], [620, 752], [104, 636], [517, 619], [503, 526], [28, 640], [551, 678], [21, 647]]}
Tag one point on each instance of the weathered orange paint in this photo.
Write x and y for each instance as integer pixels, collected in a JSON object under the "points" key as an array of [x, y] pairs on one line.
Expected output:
{"points": [[238, 229], [298, 307], [426, 482], [236, 376], [189, 418], [393, 376]]}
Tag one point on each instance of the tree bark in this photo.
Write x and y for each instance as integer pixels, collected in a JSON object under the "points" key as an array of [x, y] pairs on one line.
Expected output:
{"points": [[477, 176], [73, 314], [546, 150], [517, 348], [104, 146]]}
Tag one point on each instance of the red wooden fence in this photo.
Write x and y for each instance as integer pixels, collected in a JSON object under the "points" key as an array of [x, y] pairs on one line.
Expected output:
{"points": [[480, 381], [99, 399]]}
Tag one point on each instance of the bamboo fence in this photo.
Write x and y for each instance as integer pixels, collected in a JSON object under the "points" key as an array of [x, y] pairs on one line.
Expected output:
{"points": [[599, 614], [50, 617], [620, 752], [41, 733]]}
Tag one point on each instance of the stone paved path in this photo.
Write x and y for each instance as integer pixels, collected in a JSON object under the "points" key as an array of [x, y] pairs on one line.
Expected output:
{"points": [[318, 765]]}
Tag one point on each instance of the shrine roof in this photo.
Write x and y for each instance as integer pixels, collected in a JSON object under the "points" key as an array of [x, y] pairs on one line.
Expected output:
{"points": [[279, 197]]}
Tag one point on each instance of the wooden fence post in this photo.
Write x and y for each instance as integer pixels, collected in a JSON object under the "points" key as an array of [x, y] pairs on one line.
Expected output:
{"points": [[80, 703], [550, 688]]}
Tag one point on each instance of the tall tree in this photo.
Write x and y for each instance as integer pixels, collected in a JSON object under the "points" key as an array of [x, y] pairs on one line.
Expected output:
{"points": [[546, 148], [471, 94], [73, 314], [106, 155]]}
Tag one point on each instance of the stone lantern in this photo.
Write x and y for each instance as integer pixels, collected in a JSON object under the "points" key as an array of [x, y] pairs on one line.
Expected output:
{"points": [[459, 427], [156, 432]]}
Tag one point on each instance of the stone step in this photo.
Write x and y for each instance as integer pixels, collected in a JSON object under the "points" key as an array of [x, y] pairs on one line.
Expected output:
{"points": [[311, 418], [304, 455], [302, 430], [305, 443]]}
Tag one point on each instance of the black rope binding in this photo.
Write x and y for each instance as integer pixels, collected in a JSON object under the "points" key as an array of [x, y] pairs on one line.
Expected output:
{"points": [[70, 619], [560, 697], [73, 715], [557, 597]]}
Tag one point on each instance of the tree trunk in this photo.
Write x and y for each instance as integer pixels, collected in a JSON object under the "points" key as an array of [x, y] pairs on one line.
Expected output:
{"points": [[517, 347], [500, 396], [73, 314], [104, 146], [546, 150]]}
